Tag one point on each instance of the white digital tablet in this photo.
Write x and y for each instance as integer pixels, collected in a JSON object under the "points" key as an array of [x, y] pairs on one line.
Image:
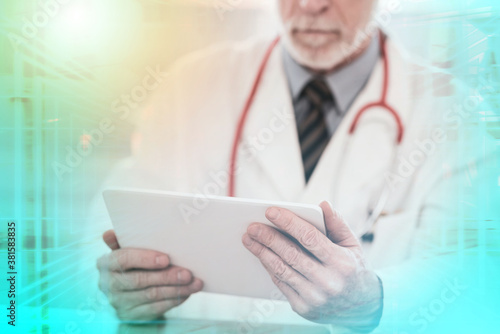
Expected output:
{"points": [[201, 233]]}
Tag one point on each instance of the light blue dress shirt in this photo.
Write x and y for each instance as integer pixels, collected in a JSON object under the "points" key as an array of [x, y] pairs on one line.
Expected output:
{"points": [[345, 84]]}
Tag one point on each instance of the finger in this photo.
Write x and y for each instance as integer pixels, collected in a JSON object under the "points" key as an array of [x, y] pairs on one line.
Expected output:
{"points": [[337, 229], [150, 311], [130, 258], [296, 302], [305, 233], [276, 266], [110, 239], [131, 299], [285, 248], [141, 279]]}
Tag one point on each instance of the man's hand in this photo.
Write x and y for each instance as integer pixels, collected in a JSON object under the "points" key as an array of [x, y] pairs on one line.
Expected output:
{"points": [[140, 283], [325, 280]]}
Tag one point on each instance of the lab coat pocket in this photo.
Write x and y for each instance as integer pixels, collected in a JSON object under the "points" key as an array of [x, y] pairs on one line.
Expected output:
{"points": [[393, 237]]}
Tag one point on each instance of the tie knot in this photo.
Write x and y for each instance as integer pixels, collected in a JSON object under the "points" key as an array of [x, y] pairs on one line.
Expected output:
{"points": [[318, 92]]}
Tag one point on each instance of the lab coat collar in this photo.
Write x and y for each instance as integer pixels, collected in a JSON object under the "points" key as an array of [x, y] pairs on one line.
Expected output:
{"points": [[271, 123]]}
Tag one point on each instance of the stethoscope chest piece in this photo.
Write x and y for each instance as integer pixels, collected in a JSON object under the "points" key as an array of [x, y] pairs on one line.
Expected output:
{"points": [[368, 237]]}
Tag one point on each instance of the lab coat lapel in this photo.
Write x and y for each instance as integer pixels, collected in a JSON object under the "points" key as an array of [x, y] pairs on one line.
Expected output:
{"points": [[271, 136], [352, 169]]}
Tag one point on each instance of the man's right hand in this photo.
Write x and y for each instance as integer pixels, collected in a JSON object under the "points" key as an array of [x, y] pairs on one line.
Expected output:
{"points": [[141, 284]]}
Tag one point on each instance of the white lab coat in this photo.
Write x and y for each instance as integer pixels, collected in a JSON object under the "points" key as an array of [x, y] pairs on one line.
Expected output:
{"points": [[187, 131]]}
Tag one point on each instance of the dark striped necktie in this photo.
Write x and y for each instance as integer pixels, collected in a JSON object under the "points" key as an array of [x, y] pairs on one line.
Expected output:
{"points": [[312, 130]]}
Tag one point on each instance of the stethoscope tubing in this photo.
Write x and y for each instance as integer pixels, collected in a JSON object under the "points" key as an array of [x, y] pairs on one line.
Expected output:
{"points": [[244, 114], [255, 86]]}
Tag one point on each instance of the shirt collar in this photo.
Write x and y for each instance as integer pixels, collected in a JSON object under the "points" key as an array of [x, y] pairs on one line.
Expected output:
{"points": [[345, 83]]}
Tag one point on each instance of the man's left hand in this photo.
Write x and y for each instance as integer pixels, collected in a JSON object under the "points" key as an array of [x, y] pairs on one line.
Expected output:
{"points": [[326, 279]]}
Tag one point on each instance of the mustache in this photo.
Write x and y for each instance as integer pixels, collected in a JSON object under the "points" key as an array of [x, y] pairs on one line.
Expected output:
{"points": [[308, 23]]}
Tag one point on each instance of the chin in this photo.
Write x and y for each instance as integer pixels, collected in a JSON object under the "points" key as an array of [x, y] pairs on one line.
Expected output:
{"points": [[316, 57]]}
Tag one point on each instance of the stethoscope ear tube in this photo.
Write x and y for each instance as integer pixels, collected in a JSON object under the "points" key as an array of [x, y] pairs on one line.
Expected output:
{"points": [[383, 99], [243, 117]]}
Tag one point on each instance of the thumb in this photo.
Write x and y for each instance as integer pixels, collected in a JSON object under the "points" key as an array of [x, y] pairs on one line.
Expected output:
{"points": [[337, 229], [109, 238]]}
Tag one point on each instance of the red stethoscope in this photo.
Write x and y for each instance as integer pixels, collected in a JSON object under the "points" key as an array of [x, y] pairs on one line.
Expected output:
{"points": [[382, 103]]}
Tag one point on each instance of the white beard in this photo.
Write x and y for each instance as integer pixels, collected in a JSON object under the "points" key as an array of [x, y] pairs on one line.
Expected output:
{"points": [[320, 58]]}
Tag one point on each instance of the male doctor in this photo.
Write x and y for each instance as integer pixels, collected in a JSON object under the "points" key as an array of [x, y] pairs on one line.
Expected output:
{"points": [[296, 146]]}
